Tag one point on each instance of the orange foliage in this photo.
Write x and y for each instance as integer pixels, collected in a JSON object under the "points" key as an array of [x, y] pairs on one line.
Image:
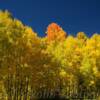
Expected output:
{"points": [[55, 32]]}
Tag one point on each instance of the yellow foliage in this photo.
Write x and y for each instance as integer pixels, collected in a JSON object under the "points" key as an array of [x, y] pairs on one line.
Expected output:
{"points": [[62, 73], [51, 61]]}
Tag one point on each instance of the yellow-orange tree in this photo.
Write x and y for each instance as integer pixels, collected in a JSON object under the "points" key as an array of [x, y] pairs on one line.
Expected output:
{"points": [[29, 62]]}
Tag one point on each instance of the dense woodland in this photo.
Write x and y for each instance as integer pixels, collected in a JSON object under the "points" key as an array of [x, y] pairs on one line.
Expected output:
{"points": [[55, 64]]}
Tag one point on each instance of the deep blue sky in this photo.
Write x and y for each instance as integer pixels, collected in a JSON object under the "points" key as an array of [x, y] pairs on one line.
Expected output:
{"points": [[72, 15]]}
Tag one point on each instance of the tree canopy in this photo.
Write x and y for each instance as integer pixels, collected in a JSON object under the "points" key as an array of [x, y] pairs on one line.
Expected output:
{"points": [[50, 62]]}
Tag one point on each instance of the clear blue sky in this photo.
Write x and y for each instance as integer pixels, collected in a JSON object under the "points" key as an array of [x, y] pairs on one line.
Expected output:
{"points": [[72, 15]]}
